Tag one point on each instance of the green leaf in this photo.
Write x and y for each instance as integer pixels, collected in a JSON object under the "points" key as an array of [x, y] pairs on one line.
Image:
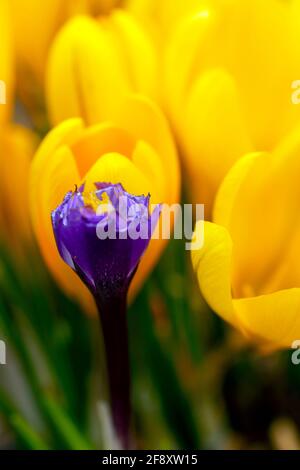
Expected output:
{"points": [[65, 426], [174, 401], [22, 429]]}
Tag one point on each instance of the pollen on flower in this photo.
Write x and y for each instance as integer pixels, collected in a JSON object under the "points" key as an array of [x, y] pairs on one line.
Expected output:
{"points": [[100, 206], [91, 200]]}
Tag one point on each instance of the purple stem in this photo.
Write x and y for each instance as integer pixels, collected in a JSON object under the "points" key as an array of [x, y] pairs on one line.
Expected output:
{"points": [[113, 318]]}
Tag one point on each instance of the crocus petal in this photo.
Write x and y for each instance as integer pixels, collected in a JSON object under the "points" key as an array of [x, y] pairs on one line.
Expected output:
{"points": [[162, 15], [257, 212], [136, 51], [212, 106], [65, 134], [94, 64], [35, 25], [149, 163], [272, 318], [98, 140], [287, 272], [184, 43], [229, 190], [146, 122], [114, 168], [258, 63], [212, 264], [17, 148], [84, 74]]}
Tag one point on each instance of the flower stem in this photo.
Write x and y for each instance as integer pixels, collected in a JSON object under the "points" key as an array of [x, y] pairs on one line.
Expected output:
{"points": [[113, 318]]}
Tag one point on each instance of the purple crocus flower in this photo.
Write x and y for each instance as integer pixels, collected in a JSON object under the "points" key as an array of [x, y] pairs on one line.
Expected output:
{"points": [[98, 244], [102, 237]]}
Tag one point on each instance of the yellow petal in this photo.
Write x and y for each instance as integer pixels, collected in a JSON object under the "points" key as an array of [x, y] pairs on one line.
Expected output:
{"points": [[148, 162], [84, 75], [65, 134], [212, 264], [213, 134], [98, 140], [146, 122], [263, 69], [136, 51], [184, 43], [164, 14], [35, 25], [231, 186], [257, 203], [273, 318], [287, 272], [17, 149], [115, 168]]}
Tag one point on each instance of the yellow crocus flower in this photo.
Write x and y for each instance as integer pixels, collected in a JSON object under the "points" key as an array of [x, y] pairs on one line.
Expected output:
{"points": [[229, 71], [248, 268], [134, 148], [35, 25], [94, 63], [17, 146]]}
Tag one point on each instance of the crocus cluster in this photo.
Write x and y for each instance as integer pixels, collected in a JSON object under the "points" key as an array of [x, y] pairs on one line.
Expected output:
{"points": [[120, 90], [223, 106]]}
